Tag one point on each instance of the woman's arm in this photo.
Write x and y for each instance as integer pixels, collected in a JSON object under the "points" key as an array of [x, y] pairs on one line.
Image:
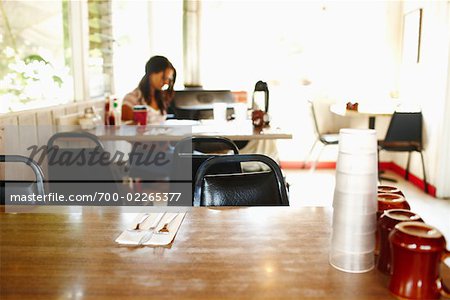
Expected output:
{"points": [[130, 100]]}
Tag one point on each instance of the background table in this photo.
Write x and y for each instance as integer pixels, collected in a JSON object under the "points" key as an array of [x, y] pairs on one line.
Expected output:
{"points": [[233, 130], [370, 110], [259, 253]]}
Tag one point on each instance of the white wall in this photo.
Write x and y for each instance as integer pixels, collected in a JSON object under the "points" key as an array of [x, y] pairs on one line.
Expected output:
{"points": [[426, 83], [357, 51], [443, 175]]}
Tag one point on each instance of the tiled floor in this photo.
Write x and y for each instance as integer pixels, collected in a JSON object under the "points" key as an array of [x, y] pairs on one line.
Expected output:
{"points": [[316, 189]]}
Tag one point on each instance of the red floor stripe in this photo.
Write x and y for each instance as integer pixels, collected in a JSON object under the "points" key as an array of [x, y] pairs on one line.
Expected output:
{"points": [[391, 166]]}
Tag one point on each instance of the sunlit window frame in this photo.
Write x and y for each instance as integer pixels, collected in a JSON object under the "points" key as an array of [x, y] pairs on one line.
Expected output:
{"points": [[79, 39]]}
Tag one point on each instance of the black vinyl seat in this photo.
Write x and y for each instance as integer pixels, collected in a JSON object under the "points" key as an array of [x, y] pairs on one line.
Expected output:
{"points": [[404, 134], [8, 187], [240, 189], [325, 139], [190, 153]]}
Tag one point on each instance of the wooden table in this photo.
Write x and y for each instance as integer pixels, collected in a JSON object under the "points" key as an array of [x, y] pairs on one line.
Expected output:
{"points": [[234, 130], [235, 253]]}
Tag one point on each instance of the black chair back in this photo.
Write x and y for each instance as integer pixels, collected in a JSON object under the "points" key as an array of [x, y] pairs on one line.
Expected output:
{"points": [[405, 127], [240, 189], [186, 163], [74, 135], [8, 188], [404, 134], [211, 146], [205, 145], [197, 104], [73, 170]]}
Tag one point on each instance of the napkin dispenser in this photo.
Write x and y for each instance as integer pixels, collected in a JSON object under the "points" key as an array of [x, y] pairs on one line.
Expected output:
{"points": [[90, 119], [260, 105]]}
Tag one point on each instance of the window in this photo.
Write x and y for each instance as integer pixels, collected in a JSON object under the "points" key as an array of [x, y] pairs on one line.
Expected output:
{"points": [[100, 61], [286, 42], [35, 55], [142, 29], [107, 42], [243, 42], [131, 43]]}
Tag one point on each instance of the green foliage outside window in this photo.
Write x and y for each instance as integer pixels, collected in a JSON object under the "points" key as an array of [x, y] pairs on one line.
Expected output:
{"points": [[25, 77]]}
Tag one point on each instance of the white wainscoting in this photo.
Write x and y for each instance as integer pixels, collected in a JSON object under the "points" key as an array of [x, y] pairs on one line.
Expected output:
{"points": [[27, 124]]}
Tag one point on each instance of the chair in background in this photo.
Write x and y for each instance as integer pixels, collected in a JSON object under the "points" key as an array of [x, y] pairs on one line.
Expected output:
{"points": [[9, 187], [197, 104], [191, 152], [82, 173], [404, 134], [325, 138], [265, 188], [206, 145]]}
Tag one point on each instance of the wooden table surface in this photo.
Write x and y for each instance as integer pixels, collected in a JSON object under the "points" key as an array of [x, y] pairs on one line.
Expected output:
{"points": [[235, 253]]}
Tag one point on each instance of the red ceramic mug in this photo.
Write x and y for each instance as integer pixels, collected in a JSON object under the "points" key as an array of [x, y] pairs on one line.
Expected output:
{"points": [[390, 201], [386, 224], [389, 189], [418, 249]]}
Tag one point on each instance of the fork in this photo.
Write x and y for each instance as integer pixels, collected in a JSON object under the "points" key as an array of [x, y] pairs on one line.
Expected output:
{"points": [[165, 228], [142, 220], [146, 237]]}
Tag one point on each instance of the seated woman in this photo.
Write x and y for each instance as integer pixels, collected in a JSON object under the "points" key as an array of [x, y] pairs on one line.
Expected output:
{"points": [[155, 90]]}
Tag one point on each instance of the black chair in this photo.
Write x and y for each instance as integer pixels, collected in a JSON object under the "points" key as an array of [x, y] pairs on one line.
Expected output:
{"points": [[196, 104], [76, 169], [140, 163], [206, 145], [404, 134], [240, 189], [9, 187], [325, 139], [186, 163]]}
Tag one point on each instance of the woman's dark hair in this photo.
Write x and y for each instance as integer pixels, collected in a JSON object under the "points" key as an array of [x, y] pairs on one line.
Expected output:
{"points": [[157, 64]]}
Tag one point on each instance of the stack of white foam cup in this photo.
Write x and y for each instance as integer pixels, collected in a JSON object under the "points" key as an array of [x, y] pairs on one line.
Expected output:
{"points": [[355, 201]]}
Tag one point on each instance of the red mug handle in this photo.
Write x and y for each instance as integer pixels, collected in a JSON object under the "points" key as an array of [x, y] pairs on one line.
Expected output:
{"points": [[445, 291]]}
